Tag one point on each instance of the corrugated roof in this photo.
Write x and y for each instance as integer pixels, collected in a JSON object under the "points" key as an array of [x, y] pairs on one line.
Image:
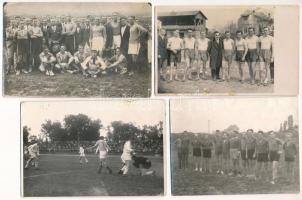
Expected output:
{"points": [[180, 13]]}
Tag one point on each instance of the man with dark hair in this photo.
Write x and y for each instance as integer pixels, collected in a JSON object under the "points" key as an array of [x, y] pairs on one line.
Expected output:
{"points": [[33, 151], [36, 35], [235, 146], [252, 42], [69, 33], [274, 145], [261, 153], [47, 62], [22, 49], [54, 35], [290, 152], [135, 31], [118, 62], [241, 51], [215, 50], [161, 51], [250, 147]]}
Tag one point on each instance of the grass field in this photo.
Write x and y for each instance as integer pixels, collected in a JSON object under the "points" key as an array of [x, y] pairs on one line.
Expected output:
{"points": [[209, 86], [75, 85], [189, 182], [63, 175]]}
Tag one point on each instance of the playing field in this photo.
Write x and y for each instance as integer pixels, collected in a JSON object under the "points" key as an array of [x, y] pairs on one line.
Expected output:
{"points": [[63, 175], [75, 85], [189, 182], [209, 86]]}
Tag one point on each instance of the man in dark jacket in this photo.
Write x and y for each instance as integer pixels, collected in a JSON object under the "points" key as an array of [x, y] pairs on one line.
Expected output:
{"points": [[161, 50], [215, 49], [125, 34]]}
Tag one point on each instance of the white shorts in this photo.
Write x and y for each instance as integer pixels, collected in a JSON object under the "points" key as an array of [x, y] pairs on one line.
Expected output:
{"points": [[133, 48], [126, 157], [97, 43], [82, 154], [116, 41], [102, 154], [33, 155]]}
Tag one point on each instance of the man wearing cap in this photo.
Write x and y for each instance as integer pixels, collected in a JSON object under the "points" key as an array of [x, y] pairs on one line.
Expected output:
{"points": [[134, 44], [36, 35], [68, 32]]}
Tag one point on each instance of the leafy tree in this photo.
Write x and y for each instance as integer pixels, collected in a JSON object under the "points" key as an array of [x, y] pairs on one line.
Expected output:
{"points": [[26, 133], [54, 131], [81, 127]]}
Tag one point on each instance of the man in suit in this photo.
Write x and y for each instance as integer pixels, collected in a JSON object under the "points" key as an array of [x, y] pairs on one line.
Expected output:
{"points": [[215, 49], [78, 34], [161, 50], [86, 33], [125, 34]]}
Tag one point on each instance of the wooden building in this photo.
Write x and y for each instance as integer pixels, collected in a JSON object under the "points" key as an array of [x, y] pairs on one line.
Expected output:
{"points": [[182, 21]]}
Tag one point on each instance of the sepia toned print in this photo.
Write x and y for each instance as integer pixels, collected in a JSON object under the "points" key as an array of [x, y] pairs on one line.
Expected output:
{"points": [[91, 148], [221, 49], [234, 146], [102, 49]]}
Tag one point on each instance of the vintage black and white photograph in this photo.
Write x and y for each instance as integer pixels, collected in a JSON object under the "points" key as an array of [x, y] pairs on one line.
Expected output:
{"points": [[221, 49], [234, 146], [92, 148], [77, 49]]}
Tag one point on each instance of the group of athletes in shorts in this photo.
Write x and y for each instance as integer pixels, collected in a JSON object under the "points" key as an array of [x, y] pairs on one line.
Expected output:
{"points": [[102, 149], [190, 55], [250, 154]]}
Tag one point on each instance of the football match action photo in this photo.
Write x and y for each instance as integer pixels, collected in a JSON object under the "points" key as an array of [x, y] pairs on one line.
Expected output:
{"points": [[92, 148], [235, 146]]}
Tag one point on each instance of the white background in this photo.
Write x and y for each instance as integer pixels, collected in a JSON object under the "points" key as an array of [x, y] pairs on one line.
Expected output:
{"points": [[10, 123]]}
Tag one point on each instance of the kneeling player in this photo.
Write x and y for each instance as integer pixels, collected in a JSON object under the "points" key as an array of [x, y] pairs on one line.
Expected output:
{"points": [[33, 151], [93, 65]]}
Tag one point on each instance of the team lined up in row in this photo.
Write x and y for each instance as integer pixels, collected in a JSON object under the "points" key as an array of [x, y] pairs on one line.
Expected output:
{"points": [[237, 154], [195, 48], [62, 42]]}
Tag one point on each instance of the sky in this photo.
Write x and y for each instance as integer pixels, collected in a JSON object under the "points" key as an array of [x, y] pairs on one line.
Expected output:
{"points": [[218, 16], [257, 113], [140, 112], [74, 9]]}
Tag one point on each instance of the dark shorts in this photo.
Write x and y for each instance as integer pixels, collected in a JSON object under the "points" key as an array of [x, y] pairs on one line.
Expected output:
{"points": [[251, 55], [274, 156], [243, 155], [207, 153], [197, 152], [239, 55], [250, 154], [289, 159], [262, 157]]}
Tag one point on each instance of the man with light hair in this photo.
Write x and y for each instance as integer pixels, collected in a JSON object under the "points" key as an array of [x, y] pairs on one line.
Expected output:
{"points": [[266, 55], [102, 149], [33, 151]]}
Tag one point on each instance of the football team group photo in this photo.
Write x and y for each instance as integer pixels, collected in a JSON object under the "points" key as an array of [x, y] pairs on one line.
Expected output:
{"points": [[77, 49], [240, 150], [215, 49]]}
